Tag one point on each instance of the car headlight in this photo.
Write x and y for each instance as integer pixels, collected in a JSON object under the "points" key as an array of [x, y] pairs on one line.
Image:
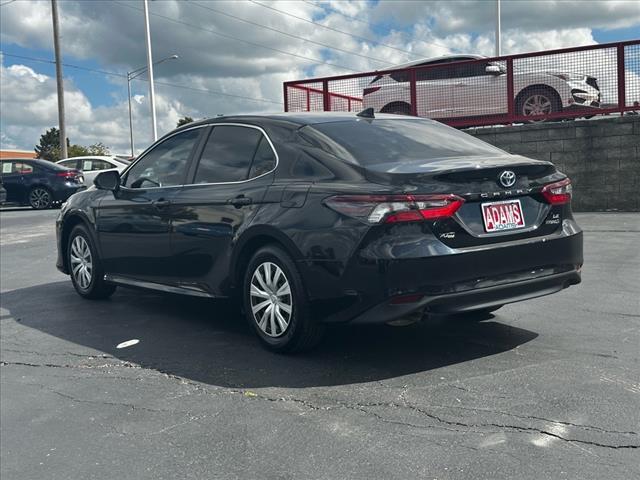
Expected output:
{"points": [[574, 77]]}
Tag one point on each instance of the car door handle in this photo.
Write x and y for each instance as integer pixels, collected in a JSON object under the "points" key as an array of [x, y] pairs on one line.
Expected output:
{"points": [[240, 201], [161, 203]]}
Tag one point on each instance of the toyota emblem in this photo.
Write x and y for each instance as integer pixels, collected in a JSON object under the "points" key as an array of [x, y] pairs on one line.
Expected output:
{"points": [[507, 178]]}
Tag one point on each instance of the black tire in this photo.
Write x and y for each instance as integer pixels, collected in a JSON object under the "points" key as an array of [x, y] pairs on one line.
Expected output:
{"points": [[96, 288], [398, 108], [302, 332], [40, 198], [547, 92]]}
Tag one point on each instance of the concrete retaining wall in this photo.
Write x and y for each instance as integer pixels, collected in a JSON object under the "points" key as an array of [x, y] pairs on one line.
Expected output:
{"points": [[601, 155]]}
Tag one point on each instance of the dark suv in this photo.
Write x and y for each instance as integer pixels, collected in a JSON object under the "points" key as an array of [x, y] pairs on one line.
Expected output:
{"points": [[325, 218], [39, 183]]}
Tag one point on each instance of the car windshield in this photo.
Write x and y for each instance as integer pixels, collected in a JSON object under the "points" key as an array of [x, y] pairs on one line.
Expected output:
{"points": [[380, 141]]}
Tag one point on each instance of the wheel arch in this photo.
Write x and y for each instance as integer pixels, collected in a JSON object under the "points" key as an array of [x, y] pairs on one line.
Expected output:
{"points": [[389, 107], [251, 241]]}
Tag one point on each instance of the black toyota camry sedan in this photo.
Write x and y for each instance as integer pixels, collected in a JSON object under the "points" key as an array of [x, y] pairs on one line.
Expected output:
{"points": [[312, 219]]}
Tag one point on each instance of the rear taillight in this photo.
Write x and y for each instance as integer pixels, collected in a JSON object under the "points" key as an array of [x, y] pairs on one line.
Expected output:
{"points": [[74, 175], [369, 90], [558, 193], [395, 208]]}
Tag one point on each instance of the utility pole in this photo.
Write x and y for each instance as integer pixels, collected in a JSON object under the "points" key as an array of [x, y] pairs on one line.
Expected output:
{"points": [[498, 46], [56, 48], [152, 96]]}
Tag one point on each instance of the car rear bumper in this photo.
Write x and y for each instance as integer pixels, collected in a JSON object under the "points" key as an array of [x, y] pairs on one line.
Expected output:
{"points": [[449, 280], [473, 299]]}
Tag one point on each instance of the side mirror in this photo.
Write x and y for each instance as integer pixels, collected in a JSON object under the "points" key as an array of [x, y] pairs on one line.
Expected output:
{"points": [[493, 70], [109, 180]]}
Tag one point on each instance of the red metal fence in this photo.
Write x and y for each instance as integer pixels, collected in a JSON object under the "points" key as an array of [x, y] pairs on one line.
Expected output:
{"points": [[465, 91]]}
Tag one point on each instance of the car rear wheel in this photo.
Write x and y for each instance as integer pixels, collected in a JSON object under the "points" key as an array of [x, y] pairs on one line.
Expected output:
{"points": [[85, 267], [40, 198], [276, 305]]}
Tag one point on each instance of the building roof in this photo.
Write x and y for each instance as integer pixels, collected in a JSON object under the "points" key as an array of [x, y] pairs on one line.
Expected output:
{"points": [[15, 154]]}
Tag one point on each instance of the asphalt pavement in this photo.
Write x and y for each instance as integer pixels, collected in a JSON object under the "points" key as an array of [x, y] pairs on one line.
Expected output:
{"points": [[548, 388]]}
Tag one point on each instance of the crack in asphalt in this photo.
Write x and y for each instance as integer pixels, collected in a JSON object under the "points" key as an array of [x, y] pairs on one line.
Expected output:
{"points": [[360, 407], [501, 426]]}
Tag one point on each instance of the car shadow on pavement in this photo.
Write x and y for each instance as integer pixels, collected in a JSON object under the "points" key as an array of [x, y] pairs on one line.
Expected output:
{"points": [[207, 341]]}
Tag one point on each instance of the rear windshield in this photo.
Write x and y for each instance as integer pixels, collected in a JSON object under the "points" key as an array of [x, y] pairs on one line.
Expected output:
{"points": [[372, 142], [49, 165]]}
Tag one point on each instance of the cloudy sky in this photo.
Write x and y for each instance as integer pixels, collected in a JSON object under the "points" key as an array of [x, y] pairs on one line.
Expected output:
{"points": [[234, 55]]}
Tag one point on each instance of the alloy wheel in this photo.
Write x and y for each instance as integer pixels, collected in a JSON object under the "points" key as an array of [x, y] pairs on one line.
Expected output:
{"points": [[81, 262], [39, 198], [537, 105], [270, 299]]}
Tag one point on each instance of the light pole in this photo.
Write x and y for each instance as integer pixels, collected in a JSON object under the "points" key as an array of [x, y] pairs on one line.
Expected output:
{"points": [[152, 94], [498, 39], [130, 76]]}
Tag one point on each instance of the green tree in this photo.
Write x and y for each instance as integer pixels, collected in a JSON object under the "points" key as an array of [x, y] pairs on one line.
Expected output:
{"points": [[77, 151], [98, 149], [49, 146], [184, 120]]}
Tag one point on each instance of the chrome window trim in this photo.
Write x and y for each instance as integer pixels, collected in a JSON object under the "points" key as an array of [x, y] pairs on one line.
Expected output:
{"points": [[231, 124], [212, 124]]}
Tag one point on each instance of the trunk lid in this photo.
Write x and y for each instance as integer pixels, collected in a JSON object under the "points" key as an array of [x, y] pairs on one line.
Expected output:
{"points": [[477, 180]]}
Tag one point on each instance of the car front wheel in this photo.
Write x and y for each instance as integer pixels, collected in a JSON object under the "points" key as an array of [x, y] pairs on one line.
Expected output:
{"points": [[536, 102], [276, 305], [85, 268]]}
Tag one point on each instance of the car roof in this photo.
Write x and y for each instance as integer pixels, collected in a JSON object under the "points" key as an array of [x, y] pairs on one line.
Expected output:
{"points": [[90, 157], [457, 57], [296, 119], [36, 161]]}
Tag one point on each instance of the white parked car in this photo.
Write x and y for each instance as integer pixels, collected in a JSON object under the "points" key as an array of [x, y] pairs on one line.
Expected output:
{"points": [[92, 165], [478, 89]]}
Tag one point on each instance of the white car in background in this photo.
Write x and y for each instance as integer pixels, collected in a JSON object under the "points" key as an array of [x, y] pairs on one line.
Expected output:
{"points": [[92, 165], [479, 89]]}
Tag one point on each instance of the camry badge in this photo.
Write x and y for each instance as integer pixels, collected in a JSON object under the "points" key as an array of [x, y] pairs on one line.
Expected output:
{"points": [[507, 178]]}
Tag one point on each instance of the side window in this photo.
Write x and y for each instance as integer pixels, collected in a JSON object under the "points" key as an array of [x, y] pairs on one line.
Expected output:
{"points": [[166, 164], [228, 154], [69, 163], [264, 160], [23, 168], [86, 165], [96, 164]]}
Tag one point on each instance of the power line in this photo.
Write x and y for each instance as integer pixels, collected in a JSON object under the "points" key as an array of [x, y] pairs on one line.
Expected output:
{"points": [[365, 39], [77, 67], [6, 3], [167, 84], [224, 35], [371, 24], [351, 52]]}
